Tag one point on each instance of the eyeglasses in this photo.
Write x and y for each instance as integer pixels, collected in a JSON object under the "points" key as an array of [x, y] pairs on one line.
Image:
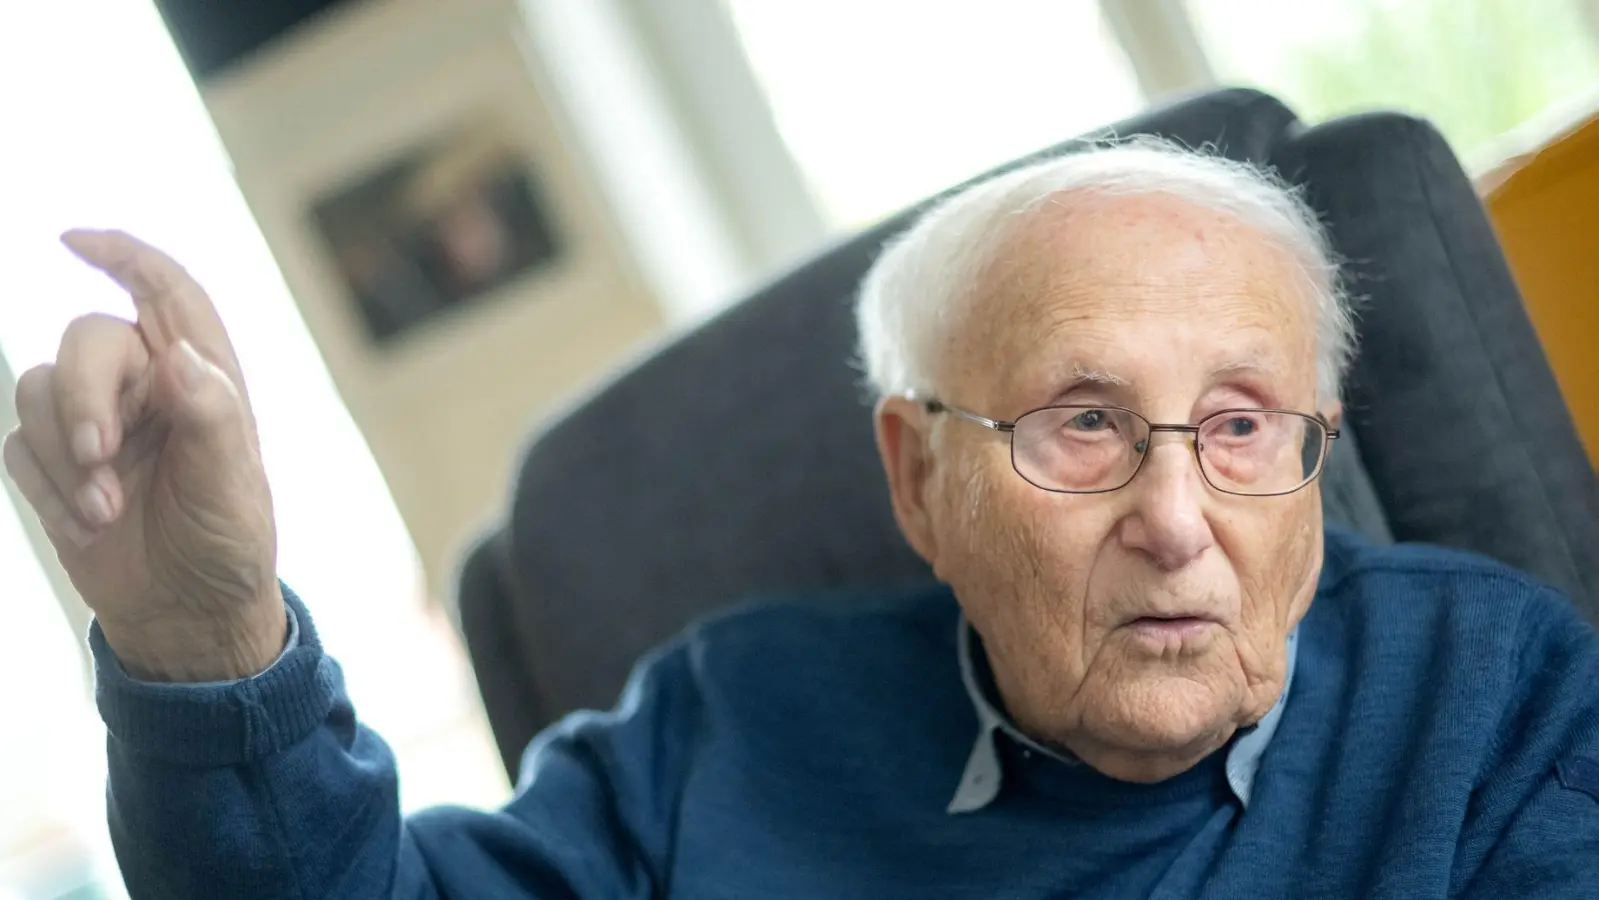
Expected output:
{"points": [[1097, 449]]}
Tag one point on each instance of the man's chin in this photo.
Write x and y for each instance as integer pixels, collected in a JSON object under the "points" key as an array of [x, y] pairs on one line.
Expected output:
{"points": [[1164, 713]]}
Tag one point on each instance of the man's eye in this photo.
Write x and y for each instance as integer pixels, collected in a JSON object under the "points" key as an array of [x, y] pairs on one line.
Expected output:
{"points": [[1088, 420], [1240, 426]]}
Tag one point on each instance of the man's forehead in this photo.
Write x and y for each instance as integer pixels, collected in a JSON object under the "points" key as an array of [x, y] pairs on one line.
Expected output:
{"points": [[1086, 277], [1133, 236], [1104, 259], [1064, 365], [1074, 368]]}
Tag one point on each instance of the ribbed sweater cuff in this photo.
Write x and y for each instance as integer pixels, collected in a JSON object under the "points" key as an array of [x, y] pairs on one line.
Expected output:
{"points": [[222, 724]]}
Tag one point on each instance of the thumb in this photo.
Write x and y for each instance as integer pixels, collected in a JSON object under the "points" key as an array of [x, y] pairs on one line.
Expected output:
{"points": [[206, 411]]}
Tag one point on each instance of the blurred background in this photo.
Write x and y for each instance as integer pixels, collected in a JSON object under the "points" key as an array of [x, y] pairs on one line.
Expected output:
{"points": [[431, 223]]}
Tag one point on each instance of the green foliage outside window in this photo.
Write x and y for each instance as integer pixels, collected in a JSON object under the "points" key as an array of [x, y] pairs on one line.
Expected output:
{"points": [[1476, 68]]}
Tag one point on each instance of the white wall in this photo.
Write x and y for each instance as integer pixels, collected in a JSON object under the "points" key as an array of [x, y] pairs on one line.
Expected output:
{"points": [[445, 410]]}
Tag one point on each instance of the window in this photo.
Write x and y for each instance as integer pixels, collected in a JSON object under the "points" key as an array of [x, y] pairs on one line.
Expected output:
{"points": [[885, 102], [105, 128], [1475, 69], [52, 756]]}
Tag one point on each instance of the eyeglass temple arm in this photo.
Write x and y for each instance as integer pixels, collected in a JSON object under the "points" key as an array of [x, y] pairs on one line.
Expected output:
{"points": [[934, 405], [1332, 433]]}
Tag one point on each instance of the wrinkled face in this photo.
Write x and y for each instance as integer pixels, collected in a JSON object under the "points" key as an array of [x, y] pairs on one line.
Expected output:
{"points": [[1175, 312]]}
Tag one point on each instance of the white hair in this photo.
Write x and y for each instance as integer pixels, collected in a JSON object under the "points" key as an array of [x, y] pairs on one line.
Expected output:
{"points": [[918, 287]]}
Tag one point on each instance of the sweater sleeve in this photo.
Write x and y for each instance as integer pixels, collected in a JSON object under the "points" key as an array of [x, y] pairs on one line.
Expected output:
{"points": [[1535, 831], [270, 788]]}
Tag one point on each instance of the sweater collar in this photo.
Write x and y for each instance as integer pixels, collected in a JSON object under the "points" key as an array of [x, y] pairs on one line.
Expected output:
{"points": [[980, 782]]}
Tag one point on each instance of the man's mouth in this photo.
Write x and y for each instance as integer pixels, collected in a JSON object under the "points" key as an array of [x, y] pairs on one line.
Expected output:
{"points": [[1167, 629], [1174, 621]]}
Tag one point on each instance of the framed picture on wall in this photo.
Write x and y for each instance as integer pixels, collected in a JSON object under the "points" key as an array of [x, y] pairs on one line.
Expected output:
{"points": [[447, 222], [444, 235]]}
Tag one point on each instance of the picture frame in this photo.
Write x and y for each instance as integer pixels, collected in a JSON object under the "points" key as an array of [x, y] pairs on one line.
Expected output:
{"points": [[438, 227], [445, 384]]}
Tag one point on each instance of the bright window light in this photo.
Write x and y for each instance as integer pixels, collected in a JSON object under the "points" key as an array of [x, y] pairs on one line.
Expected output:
{"points": [[105, 128], [884, 102], [1477, 69]]}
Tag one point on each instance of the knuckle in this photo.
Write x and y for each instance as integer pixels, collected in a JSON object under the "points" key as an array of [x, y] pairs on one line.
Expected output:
{"points": [[10, 448], [19, 463], [92, 344], [89, 326], [159, 273], [218, 401], [34, 388]]}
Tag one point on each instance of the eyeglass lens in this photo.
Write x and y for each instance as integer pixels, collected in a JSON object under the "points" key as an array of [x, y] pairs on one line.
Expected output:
{"points": [[1083, 449]]}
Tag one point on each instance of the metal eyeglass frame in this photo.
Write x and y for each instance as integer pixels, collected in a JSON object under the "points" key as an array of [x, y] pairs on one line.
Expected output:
{"points": [[933, 406]]}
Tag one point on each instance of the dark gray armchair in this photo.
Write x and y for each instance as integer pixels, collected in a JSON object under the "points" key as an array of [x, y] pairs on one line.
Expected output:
{"points": [[738, 460]]}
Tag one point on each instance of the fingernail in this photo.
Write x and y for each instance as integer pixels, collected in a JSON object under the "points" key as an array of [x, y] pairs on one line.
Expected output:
{"points": [[86, 443], [190, 366], [96, 503]]}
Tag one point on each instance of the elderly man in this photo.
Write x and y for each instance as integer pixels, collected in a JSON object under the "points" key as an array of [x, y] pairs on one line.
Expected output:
{"points": [[1108, 385]]}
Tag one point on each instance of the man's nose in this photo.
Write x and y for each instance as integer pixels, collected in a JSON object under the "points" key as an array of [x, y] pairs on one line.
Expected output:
{"points": [[1168, 520]]}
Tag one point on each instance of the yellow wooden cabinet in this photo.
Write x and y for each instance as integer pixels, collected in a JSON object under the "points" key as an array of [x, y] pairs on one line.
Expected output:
{"points": [[1545, 207]]}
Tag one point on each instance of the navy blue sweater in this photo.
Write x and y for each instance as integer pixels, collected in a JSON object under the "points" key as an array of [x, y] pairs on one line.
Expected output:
{"points": [[1441, 739]]}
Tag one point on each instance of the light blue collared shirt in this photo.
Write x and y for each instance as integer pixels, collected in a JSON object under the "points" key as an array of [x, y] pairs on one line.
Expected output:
{"points": [[980, 782]]}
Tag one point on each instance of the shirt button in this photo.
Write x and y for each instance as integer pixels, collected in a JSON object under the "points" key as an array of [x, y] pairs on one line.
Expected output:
{"points": [[1027, 754]]}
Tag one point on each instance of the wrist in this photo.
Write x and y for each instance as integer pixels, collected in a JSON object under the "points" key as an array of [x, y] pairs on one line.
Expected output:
{"points": [[234, 642]]}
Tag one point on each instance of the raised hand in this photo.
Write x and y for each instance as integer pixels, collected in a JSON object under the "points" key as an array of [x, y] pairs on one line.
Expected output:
{"points": [[137, 449]]}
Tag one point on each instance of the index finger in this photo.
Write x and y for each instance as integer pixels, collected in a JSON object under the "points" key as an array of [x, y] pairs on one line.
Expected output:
{"points": [[171, 306]]}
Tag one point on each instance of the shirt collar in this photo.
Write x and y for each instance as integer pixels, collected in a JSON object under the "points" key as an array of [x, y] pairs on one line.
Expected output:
{"points": [[980, 782]]}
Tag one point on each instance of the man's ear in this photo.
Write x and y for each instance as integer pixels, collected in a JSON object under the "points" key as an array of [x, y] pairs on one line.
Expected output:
{"points": [[902, 443], [1334, 413]]}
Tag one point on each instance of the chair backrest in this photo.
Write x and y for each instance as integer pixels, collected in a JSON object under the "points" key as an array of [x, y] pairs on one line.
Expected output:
{"points": [[738, 460]]}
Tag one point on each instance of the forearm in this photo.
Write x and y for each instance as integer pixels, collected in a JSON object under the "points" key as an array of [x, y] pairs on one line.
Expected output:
{"points": [[268, 788], [265, 787], [224, 642]]}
